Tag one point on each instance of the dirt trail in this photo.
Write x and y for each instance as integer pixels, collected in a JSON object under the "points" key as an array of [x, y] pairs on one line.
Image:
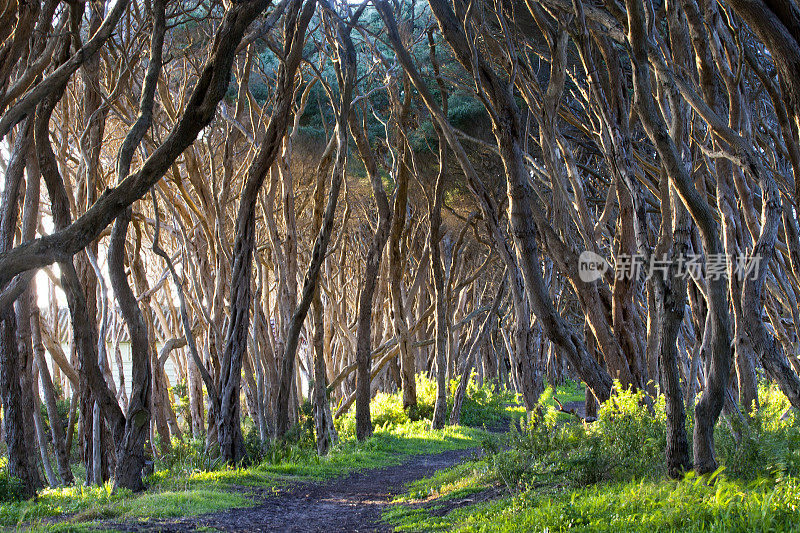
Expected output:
{"points": [[353, 503]]}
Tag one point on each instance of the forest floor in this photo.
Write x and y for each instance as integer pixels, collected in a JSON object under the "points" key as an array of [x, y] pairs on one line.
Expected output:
{"points": [[353, 503], [403, 472], [347, 490], [559, 474]]}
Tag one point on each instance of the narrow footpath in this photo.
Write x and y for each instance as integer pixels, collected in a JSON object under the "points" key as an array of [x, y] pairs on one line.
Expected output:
{"points": [[352, 504]]}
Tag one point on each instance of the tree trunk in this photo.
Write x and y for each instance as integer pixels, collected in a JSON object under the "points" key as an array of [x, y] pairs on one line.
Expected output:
{"points": [[671, 301], [130, 446], [229, 431], [56, 425], [21, 460], [366, 298]]}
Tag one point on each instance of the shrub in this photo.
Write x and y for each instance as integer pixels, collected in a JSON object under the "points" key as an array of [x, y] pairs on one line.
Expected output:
{"points": [[632, 439], [11, 489], [627, 442], [188, 455], [486, 406], [62, 407], [767, 445]]}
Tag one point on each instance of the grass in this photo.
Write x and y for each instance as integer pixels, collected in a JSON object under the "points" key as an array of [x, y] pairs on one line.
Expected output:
{"points": [[561, 475], [450, 483], [388, 446], [190, 482], [647, 506], [88, 504]]}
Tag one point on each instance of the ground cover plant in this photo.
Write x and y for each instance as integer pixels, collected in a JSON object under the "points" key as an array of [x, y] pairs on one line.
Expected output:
{"points": [[564, 475]]}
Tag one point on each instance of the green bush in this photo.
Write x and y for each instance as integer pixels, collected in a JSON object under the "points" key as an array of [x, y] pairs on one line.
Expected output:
{"points": [[11, 489], [767, 445], [609, 475], [484, 406], [626, 442], [62, 407], [187, 455], [631, 438]]}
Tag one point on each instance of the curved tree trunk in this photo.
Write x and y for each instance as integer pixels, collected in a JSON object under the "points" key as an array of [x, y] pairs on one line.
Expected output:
{"points": [[21, 460]]}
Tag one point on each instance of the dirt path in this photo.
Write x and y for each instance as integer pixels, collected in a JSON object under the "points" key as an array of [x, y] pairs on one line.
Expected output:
{"points": [[352, 503]]}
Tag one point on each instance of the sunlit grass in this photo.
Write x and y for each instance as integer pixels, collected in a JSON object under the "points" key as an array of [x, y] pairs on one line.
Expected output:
{"points": [[86, 504], [460, 480], [388, 446], [609, 476], [693, 504]]}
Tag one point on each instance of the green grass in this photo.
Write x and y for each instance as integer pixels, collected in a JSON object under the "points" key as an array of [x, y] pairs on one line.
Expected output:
{"points": [[561, 475], [460, 480], [646, 506], [388, 446], [87, 504]]}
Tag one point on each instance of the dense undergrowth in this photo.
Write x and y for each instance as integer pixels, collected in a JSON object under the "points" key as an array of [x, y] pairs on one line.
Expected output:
{"points": [[189, 480], [558, 474]]}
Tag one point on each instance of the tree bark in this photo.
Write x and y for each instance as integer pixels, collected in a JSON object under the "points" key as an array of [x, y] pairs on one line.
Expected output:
{"points": [[367, 296], [130, 445], [21, 460], [229, 432]]}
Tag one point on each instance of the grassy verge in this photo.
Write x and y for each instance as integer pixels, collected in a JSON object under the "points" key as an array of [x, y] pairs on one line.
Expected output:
{"points": [[692, 504], [561, 475]]}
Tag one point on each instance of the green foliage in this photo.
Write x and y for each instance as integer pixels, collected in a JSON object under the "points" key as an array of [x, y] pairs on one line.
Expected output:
{"points": [[569, 391], [11, 488], [484, 406], [609, 476], [187, 455], [180, 392], [487, 406], [465, 110], [629, 437], [626, 442], [768, 445], [62, 407], [253, 445]]}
